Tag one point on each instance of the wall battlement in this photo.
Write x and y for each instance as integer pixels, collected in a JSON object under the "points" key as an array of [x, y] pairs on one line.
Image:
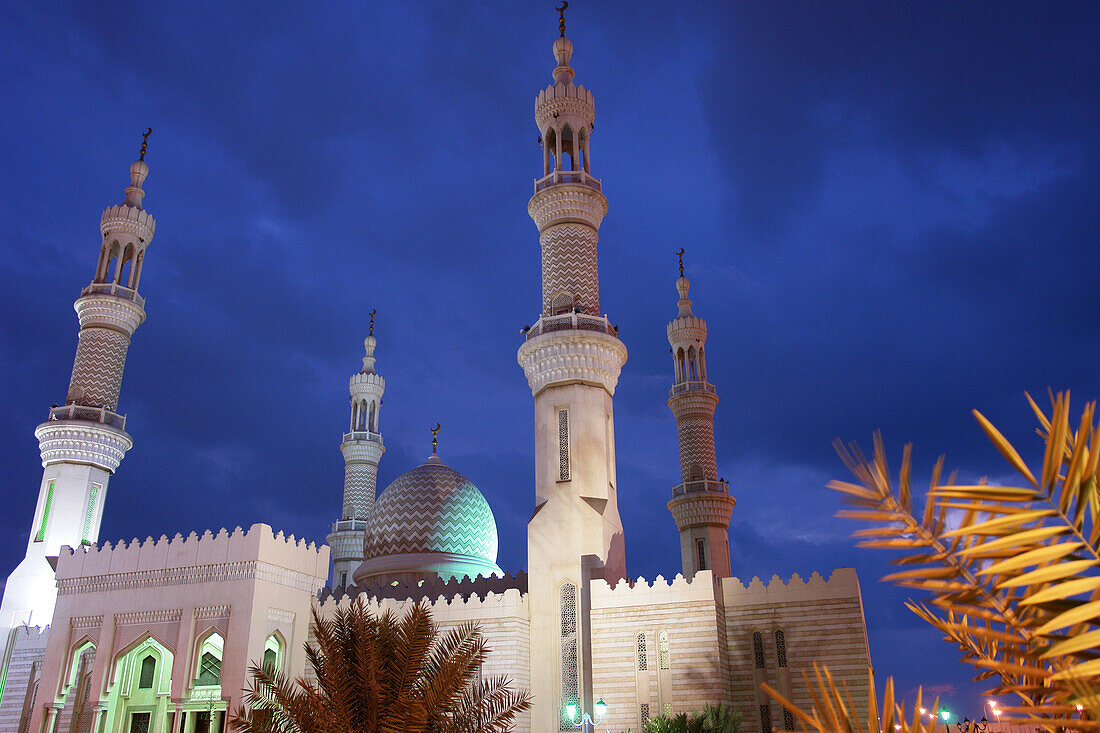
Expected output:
{"points": [[842, 583], [259, 542], [509, 603], [430, 589], [731, 591]]}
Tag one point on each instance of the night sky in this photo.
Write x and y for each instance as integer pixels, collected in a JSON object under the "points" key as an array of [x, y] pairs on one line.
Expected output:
{"points": [[889, 212]]}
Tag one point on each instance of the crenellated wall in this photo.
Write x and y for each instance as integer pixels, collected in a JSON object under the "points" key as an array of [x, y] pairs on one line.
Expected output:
{"points": [[821, 620], [504, 619], [245, 585]]}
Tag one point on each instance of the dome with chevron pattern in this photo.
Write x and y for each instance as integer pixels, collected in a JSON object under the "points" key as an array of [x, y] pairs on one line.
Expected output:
{"points": [[431, 519]]}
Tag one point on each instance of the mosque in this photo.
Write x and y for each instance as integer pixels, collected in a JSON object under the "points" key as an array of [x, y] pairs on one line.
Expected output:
{"points": [[157, 636]]}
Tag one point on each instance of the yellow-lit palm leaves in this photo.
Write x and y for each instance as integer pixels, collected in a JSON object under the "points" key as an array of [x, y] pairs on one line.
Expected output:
{"points": [[1017, 583], [834, 711]]}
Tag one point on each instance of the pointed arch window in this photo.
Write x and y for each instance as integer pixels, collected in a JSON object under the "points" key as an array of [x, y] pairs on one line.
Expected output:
{"points": [[148, 670], [662, 650], [562, 303]]}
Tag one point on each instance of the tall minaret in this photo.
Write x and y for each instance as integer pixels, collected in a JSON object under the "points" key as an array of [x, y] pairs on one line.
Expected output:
{"points": [[362, 448], [83, 441], [701, 504], [571, 357]]}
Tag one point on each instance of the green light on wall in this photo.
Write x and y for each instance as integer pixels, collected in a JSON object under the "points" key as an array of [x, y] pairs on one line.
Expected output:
{"points": [[45, 514], [89, 514]]}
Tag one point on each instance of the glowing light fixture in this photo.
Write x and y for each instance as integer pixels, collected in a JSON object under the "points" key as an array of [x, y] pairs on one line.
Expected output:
{"points": [[945, 714], [585, 723]]}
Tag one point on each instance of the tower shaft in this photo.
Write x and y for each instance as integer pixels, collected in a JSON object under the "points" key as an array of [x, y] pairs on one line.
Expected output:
{"points": [[572, 357], [362, 448], [700, 504], [83, 441]]}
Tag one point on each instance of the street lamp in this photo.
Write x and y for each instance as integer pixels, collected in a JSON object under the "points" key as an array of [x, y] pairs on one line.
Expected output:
{"points": [[946, 715], [586, 722]]}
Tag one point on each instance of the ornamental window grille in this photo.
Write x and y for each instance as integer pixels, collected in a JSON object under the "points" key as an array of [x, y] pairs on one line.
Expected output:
{"points": [[780, 648], [563, 445], [89, 514], [701, 551], [666, 709], [45, 514], [644, 714], [210, 669], [758, 649], [562, 303], [148, 669], [788, 719], [662, 650], [570, 681], [765, 718], [139, 722], [643, 662]]}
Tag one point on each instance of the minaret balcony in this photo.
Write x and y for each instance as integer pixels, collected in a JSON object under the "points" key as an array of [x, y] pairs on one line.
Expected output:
{"points": [[88, 413], [691, 487], [582, 177], [685, 387], [571, 322], [362, 435], [116, 290], [349, 525]]}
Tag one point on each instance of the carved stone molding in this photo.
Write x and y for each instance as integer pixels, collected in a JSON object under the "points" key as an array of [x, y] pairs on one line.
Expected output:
{"points": [[140, 618], [125, 219], [75, 441], [563, 357], [566, 203], [102, 310]]}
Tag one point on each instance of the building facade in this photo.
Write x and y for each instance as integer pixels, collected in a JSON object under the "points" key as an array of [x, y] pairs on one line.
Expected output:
{"points": [[158, 635]]}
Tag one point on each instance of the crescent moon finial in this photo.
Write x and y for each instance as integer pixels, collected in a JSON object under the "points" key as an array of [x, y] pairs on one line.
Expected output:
{"points": [[145, 142], [680, 255], [435, 438], [372, 312], [561, 16]]}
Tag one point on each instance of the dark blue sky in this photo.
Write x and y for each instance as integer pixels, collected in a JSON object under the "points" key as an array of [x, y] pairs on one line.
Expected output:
{"points": [[889, 212]]}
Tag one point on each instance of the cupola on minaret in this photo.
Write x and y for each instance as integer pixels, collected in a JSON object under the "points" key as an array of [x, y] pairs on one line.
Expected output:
{"points": [[82, 441], [701, 503], [362, 448], [571, 357]]}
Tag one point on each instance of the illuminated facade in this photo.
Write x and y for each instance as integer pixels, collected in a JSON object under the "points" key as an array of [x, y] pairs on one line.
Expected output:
{"points": [[158, 635]]}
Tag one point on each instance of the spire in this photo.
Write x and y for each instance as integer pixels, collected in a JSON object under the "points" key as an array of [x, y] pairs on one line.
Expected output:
{"points": [[368, 344], [563, 50], [138, 171], [682, 285], [435, 438]]}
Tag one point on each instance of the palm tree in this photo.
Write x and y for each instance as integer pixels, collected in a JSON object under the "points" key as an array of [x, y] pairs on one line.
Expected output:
{"points": [[383, 674]]}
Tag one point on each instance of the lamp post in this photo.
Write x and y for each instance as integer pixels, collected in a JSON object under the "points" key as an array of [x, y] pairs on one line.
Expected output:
{"points": [[946, 715], [979, 726], [585, 723]]}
